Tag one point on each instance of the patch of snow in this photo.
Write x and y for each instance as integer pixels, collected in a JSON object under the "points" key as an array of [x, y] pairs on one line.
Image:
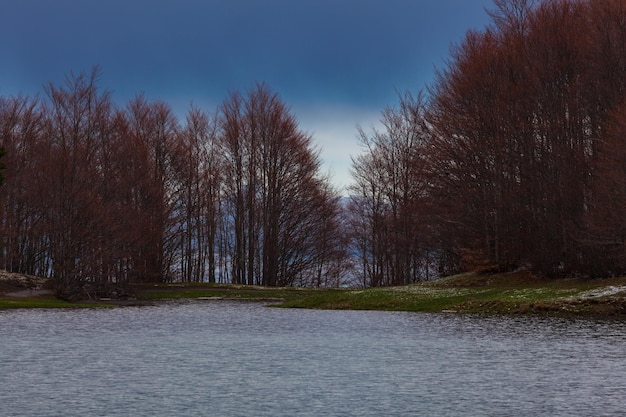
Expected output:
{"points": [[603, 292], [433, 291]]}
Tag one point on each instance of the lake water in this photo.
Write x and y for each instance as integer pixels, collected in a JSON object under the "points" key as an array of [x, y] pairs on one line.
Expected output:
{"points": [[243, 359]]}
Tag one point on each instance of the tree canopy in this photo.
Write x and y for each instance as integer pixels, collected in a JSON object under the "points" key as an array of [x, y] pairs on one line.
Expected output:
{"points": [[521, 158], [99, 196], [515, 157]]}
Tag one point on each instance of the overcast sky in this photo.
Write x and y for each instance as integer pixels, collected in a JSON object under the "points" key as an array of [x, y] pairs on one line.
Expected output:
{"points": [[336, 63]]}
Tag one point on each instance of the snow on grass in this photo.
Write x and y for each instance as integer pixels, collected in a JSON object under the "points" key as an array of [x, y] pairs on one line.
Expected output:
{"points": [[432, 291], [604, 292], [538, 293]]}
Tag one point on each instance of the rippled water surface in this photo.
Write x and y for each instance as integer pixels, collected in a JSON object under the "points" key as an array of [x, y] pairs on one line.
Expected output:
{"points": [[243, 359]]}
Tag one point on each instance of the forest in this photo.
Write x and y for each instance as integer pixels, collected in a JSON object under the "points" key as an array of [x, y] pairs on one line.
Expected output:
{"points": [[514, 157]]}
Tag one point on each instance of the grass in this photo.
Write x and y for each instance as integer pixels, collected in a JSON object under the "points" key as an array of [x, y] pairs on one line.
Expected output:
{"points": [[220, 291], [47, 301], [510, 293], [514, 293]]}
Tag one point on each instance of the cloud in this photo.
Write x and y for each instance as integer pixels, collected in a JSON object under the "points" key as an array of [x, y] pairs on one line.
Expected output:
{"points": [[334, 131]]}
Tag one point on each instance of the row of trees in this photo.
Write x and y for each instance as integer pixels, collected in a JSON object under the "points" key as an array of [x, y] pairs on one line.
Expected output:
{"points": [[515, 159], [98, 196], [390, 218]]}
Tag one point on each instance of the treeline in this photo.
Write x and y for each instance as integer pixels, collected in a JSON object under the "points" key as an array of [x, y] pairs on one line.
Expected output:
{"points": [[515, 156], [97, 196]]}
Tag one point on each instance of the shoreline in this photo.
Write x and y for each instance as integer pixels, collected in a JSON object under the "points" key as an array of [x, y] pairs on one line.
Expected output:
{"points": [[514, 294]]}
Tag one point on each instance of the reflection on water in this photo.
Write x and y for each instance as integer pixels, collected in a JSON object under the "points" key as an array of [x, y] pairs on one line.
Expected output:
{"points": [[243, 359]]}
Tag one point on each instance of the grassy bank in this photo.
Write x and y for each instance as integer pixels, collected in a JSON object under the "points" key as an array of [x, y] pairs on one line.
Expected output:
{"points": [[512, 293], [221, 292], [45, 301]]}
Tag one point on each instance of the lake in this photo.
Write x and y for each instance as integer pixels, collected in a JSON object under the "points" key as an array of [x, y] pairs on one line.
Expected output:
{"points": [[220, 358]]}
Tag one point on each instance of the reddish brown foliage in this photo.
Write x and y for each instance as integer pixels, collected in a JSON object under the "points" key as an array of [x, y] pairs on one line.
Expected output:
{"points": [[97, 196], [519, 119]]}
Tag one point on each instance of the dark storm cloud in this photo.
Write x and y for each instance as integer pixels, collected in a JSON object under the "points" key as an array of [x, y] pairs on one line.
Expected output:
{"points": [[325, 58]]}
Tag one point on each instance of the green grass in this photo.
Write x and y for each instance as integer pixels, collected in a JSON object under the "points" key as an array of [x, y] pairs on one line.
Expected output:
{"points": [[512, 293], [486, 294], [45, 302], [409, 298], [220, 291]]}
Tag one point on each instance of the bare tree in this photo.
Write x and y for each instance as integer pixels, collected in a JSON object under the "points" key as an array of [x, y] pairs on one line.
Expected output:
{"points": [[23, 240], [274, 192], [197, 165], [153, 128], [389, 197], [78, 116], [521, 120]]}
